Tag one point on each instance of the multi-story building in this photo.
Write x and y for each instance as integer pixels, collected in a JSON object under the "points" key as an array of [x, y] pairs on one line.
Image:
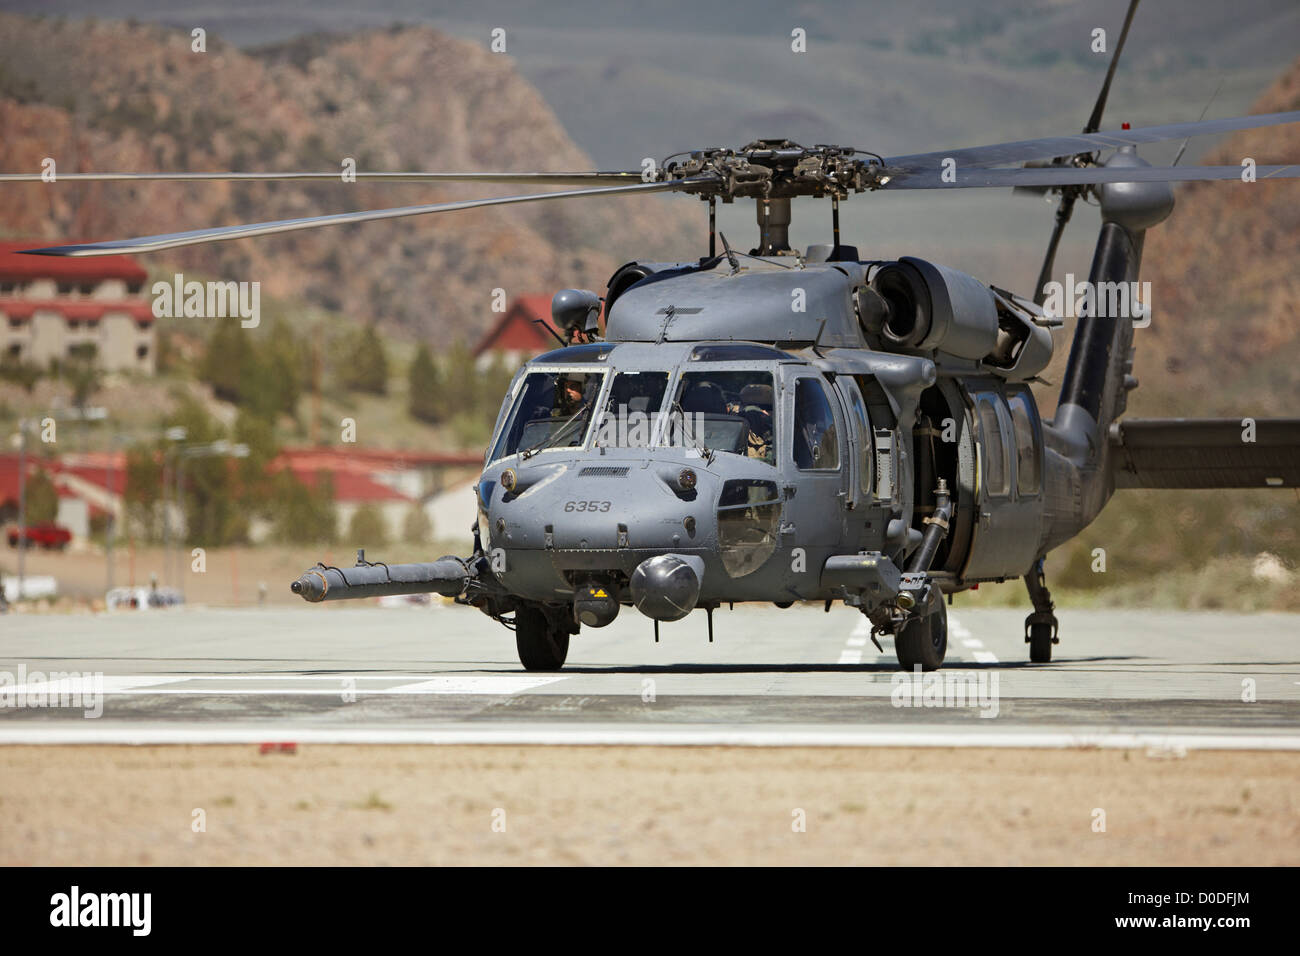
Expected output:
{"points": [[53, 309]]}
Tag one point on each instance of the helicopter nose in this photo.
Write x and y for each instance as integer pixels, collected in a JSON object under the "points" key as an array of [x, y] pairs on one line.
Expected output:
{"points": [[665, 587]]}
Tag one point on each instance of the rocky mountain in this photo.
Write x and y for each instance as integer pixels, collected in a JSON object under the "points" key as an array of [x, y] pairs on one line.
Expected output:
{"points": [[125, 96]]}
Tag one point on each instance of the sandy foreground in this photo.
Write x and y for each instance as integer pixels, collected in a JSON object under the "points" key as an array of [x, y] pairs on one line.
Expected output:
{"points": [[357, 805]]}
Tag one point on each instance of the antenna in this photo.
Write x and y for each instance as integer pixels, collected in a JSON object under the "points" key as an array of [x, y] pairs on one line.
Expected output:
{"points": [[713, 226], [731, 256]]}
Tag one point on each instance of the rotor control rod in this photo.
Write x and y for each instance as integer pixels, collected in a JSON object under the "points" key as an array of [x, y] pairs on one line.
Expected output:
{"points": [[447, 576], [936, 529]]}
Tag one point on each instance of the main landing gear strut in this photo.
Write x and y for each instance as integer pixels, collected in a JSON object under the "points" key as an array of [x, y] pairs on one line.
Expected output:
{"points": [[1041, 627]]}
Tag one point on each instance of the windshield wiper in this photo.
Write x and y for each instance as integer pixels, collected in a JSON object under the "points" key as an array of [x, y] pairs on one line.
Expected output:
{"points": [[555, 435], [703, 449]]}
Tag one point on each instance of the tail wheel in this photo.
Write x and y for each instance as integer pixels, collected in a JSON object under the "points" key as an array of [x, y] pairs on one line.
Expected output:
{"points": [[541, 647], [923, 639], [1040, 643]]}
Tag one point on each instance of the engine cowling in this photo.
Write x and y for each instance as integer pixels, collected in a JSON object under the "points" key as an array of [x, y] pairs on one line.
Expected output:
{"points": [[929, 306]]}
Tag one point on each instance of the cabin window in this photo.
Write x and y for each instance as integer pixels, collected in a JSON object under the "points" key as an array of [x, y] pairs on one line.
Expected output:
{"points": [[551, 410], [1028, 474], [997, 461], [816, 445], [732, 412]]}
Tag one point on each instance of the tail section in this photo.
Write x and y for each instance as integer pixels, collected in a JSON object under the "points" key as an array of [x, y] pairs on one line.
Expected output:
{"points": [[1098, 375], [1206, 453]]}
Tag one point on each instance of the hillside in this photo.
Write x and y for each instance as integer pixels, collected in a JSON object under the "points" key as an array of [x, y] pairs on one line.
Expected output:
{"points": [[1224, 341], [1226, 285], [123, 96]]}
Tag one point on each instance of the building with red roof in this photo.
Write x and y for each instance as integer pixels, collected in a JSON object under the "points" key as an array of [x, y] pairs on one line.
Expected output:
{"points": [[54, 308], [90, 484], [518, 335], [392, 482]]}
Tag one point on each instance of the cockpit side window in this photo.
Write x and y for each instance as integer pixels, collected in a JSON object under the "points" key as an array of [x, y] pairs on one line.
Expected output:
{"points": [[866, 480], [552, 410], [816, 445], [632, 411], [726, 411]]}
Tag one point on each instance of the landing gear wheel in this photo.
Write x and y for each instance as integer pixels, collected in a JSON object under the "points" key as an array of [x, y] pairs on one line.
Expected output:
{"points": [[541, 646], [1040, 643], [923, 639]]}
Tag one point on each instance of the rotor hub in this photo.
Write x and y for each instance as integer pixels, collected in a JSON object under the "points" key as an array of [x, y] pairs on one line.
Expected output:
{"points": [[777, 169]]}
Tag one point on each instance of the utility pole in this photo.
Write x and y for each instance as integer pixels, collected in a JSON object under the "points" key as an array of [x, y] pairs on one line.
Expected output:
{"points": [[177, 433], [22, 504]]}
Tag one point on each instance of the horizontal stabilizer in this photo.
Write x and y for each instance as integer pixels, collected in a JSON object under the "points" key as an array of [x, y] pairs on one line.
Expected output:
{"points": [[1206, 453]]}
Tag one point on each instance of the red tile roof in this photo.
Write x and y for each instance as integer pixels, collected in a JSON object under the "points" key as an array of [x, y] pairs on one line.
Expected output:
{"points": [[87, 309], [350, 485], [373, 459], [15, 266]]}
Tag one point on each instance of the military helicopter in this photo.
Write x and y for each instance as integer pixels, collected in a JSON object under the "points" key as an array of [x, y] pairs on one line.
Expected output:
{"points": [[781, 425]]}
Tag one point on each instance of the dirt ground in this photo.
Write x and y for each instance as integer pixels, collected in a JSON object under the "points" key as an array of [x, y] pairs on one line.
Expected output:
{"points": [[82, 805]]}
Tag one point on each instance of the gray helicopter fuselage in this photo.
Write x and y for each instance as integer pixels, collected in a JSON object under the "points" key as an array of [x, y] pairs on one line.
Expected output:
{"points": [[852, 441]]}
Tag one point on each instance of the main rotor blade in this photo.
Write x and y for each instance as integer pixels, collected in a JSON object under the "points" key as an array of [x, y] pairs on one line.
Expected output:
{"points": [[1070, 195], [220, 233], [1070, 176], [611, 178], [1094, 120], [1053, 146]]}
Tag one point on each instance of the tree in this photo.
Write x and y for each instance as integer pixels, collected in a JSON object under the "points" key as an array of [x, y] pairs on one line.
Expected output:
{"points": [[417, 528], [368, 529], [461, 392], [42, 499], [304, 514], [258, 434], [492, 387], [261, 374], [143, 486], [364, 368], [85, 379], [23, 373], [228, 352], [425, 392]]}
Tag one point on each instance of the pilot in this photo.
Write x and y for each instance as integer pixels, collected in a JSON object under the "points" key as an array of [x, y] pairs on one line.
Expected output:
{"points": [[756, 406], [568, 397]]}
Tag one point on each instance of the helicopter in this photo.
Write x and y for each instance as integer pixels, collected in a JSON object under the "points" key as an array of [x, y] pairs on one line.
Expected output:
{"points": [[783, 425]]}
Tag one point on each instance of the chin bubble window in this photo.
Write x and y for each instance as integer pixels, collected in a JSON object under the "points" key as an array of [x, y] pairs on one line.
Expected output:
{"points": [[749, 523]]}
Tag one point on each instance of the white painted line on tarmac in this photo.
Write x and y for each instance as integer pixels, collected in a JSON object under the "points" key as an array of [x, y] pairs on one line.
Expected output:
{"points": [[702, 736], [275, 684], [985, 657], [83, 684], [850, 657], [972, 643]]}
